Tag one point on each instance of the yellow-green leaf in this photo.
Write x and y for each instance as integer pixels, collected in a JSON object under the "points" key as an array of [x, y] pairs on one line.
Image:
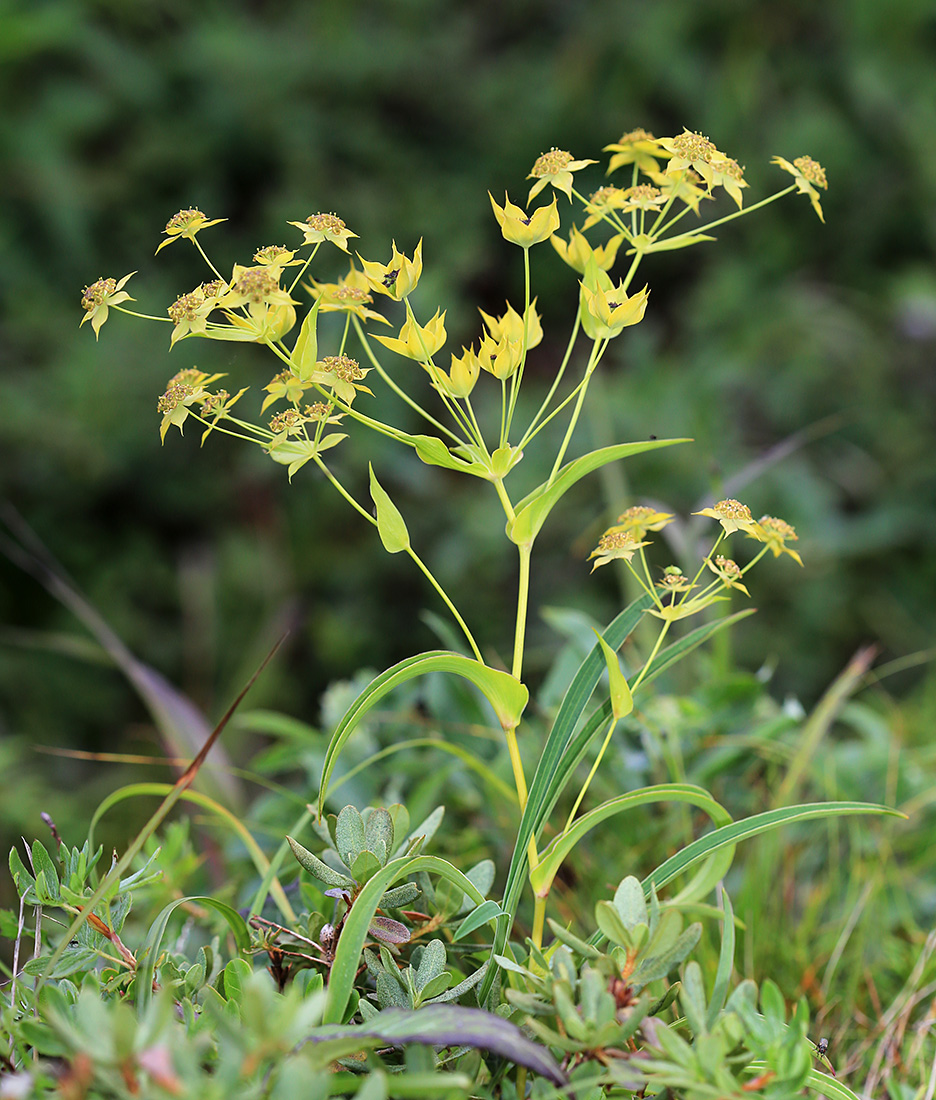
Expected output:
{"points": [[390, 524], [305, 351], [622, 702]]}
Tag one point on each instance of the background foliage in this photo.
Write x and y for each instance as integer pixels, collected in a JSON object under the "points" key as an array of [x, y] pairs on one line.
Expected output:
{"points": [[399, 116]]}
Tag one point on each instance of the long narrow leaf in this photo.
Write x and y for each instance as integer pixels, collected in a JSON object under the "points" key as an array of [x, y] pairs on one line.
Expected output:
{"points": [[467, 758], [564, 748], [753, 826], [725, 963], [146, 971], [506, 695], [357, 924], [232, 821], [541, 877], [531, 513], [543, 790]]}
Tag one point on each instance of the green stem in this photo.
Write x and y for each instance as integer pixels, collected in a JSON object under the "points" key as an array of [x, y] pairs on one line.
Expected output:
{"points": [[302, 270], [523, 595], [740, 213], [204, 256], [517, 378], [142, 316], [567, 439], [653, 653], [532, 429], [591, 775], [410, 551]]}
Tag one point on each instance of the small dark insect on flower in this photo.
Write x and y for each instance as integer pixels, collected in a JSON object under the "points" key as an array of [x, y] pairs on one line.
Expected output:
{"points": [[822, 1046]]}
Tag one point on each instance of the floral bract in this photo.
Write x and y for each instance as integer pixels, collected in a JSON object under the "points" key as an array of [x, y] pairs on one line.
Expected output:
{"points": [[776, 533], [606, 312], [635, 147], [97, 298], [350, 294], [616, 545], [343, 375], [187, 223], [578, 251], [555, 167], [808, 175], [398, 278], [733, 516], [419, 342], [189, 312], [640, 519], [524, 229], [727, 571], [325, 227], [184, 389]]}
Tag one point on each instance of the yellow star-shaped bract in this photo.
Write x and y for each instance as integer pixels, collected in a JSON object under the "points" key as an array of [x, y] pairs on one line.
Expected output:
{"points": [[524, 229], [342, 374], [615, 545], [276, 255], [729, 174], [501, 358], [635, 147], [189, 313], [419, 342], [187, 223], [97, 298], [555, 167], [511, 324], [285, 384], [325, 227], [607, 310], [806, 172], [579, 251], [728, 572], [777, 533], [683, 610], [640, 519], [182, 391], [398, 278], [692, 150], [461, 378], [681, 185], [351, 294], [733, 516]]}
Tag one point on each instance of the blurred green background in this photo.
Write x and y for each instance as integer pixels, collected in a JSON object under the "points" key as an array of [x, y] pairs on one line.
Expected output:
{"points": [[817, 340]]}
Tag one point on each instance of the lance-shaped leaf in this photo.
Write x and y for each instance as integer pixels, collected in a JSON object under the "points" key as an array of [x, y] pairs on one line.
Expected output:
{"points": [[532, 511], [622, 702], [729, 835], [390, 524], [318, 869], [305, 351], [434, 452]]}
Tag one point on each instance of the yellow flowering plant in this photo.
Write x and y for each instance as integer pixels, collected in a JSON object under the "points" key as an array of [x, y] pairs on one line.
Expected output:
{"points": [[316, 391]]}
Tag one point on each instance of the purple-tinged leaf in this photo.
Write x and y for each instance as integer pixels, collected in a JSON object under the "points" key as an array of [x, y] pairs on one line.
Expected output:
{"points": [[442, 1025], [389, 930]]}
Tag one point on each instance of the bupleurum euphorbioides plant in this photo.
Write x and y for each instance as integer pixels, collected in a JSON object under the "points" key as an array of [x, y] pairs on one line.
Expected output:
{"points": [[597, 1003]]}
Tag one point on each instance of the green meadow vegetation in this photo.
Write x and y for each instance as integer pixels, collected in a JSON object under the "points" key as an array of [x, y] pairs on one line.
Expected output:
{"points": [[498, 660]]}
